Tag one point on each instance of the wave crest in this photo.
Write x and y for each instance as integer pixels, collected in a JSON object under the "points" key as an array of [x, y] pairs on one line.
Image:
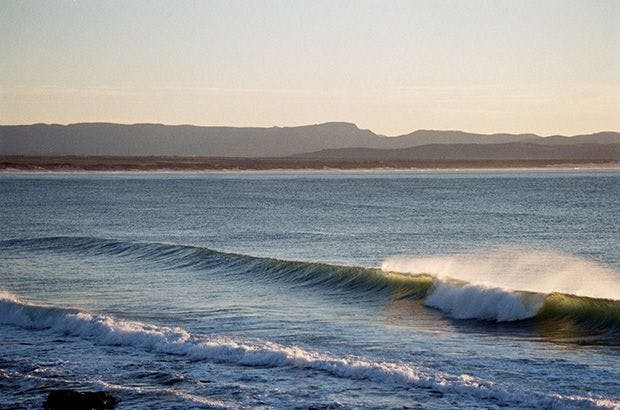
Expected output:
{"points": [[449, 283]]}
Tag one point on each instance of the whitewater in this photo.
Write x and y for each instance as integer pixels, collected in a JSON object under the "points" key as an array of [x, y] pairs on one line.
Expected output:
{"points": [[324, 290]]}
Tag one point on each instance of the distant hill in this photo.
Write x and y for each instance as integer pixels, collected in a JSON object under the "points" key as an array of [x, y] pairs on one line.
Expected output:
{"points": [[178, 140], [478, 152], [607, 137], [106, 139], [426, 137]]}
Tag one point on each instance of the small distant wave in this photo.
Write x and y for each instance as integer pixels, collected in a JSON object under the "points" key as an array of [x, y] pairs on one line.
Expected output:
{"points": [[108, 330], [449, 284], [193, 398]]}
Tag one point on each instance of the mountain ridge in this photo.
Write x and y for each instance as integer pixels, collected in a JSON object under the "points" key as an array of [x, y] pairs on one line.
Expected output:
{"points": [[153, 139]]}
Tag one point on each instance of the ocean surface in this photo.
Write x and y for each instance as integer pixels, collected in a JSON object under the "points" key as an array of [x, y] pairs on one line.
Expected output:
{"points": [[329, 290]]}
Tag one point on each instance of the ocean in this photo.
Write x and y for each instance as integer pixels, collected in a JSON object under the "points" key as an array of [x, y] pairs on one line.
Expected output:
{"points": [[324, 290]]}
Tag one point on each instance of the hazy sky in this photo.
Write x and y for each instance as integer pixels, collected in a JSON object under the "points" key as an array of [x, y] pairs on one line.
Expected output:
{"points": [[390, 66]]}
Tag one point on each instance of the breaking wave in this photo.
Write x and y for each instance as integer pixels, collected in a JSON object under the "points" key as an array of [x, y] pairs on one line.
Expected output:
{"points": [[108, 330], [565, 295], [507, 287]]}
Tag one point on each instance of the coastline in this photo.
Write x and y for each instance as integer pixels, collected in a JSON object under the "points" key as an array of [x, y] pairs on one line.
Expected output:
{"points": [[72, 164]]}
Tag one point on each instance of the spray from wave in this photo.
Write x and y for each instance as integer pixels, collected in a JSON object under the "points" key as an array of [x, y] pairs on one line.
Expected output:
{"points": [[523, 270]]}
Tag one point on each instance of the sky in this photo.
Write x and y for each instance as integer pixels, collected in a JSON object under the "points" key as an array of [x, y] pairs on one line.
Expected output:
{"points": [[548, 67]]}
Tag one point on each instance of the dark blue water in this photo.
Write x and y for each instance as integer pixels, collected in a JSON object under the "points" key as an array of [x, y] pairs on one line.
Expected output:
{"points": [[180, 290]]}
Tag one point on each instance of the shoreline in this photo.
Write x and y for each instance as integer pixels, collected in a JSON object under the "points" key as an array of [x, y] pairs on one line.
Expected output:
{"points": [[304, 171], [92, 164]]}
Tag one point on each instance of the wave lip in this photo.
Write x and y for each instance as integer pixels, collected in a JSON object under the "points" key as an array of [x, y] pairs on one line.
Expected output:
{"points": [[108, 330], [581, 316]]}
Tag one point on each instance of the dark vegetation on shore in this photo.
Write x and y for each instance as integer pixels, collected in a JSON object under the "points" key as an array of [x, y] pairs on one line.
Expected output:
{"points": [[92, 163]]}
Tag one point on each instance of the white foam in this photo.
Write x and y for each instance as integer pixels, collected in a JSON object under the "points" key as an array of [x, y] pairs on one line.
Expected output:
{"points": [[479, 302], [113, 331], [102, 329]]}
